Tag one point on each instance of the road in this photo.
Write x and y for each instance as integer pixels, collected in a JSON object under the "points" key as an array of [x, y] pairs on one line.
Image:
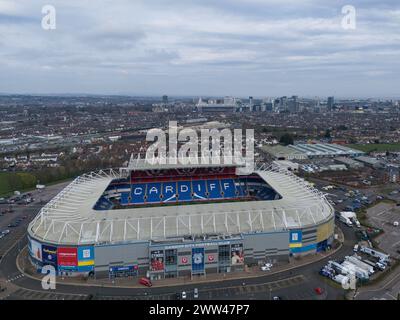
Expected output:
{"points": [[295, 284]]}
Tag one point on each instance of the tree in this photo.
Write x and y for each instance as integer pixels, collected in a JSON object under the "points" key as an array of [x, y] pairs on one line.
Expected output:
{"points": [[328, 134], [286, 139]]}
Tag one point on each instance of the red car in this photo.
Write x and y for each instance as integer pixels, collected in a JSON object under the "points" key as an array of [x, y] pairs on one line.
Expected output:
{"points": [[319, 291], [146, 282]]}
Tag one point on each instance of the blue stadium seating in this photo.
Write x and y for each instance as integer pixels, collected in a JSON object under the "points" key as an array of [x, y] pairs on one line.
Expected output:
{"points": [[214, 189], [228, 187], [169, 191], [153, 192], [199, 189], [241, 188], [138, 192], [184, 191], [124, 198], [103, 204]]}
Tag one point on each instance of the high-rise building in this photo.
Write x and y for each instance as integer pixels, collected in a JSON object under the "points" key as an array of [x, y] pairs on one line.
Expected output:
{"points": [[293, 105], [251, 104], [331, 103], [165, 99]]}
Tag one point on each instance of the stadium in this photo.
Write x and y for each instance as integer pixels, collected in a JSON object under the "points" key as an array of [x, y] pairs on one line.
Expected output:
{"points": [[173, 220]]}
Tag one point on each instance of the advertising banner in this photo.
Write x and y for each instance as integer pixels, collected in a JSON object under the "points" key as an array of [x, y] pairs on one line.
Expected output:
{"points": [[49, 255], [123, 269], [36, 250], [67, 268], [211, 258], [237, 256], [295, 236], [85, 268], [67, 257], [157, 260], [85, 256], [197, 260], [295, 239]]}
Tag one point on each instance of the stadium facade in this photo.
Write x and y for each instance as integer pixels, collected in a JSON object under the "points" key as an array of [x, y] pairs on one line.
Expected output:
{"points": [[173, 221]]}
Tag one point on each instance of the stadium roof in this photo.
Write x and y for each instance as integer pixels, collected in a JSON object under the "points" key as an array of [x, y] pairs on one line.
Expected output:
{"points": [[69, 218]]}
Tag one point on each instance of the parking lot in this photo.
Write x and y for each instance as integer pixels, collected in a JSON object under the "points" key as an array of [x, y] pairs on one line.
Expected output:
{"points": [[14, 218], [382, 216], [346, 198]]}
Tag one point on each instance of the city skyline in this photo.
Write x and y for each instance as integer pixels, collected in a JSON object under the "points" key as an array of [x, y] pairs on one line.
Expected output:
{"points": [[201, 48]]}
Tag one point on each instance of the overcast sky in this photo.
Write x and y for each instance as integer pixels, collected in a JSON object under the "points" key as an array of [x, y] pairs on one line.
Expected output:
{"points": [[201, 47]]}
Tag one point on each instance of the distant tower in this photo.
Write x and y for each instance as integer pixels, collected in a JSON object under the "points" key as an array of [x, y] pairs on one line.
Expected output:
{"points": [[251, 103], [331, 102], [165, 99]]}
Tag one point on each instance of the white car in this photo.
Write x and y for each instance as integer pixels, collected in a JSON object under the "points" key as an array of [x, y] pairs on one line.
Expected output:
{"points": [[395, 223], [268, 265], [184, 295], [265, 268], [380, 266]]}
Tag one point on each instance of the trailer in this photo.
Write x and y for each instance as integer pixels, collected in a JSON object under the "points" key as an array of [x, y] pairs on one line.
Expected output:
{"points": [[360, 264], [374, 253], [369, 262], [343, 280], [346, 221], [360, 273], [340, 268], [352, 216]]}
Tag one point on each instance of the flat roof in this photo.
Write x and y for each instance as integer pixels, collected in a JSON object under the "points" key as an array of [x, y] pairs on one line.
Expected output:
{"points": [[324, 149], [278, 150]]}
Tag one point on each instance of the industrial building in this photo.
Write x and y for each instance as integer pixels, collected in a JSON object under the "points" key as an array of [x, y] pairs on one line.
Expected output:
{"points": [[350, 163], [320, 150], [310, 151]]}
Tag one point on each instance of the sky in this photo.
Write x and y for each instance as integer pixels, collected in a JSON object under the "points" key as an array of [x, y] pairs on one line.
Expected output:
{"points": [[258, 48]]}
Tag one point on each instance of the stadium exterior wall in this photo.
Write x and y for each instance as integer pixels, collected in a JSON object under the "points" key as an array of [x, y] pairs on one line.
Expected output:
{"points": [[175, 259]]}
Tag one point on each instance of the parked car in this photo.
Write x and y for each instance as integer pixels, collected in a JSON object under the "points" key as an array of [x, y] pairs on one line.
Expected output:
{"points": [[265, 268], [196, 293], [146, 282], [184, 295], [319, 291], [380, 266]]}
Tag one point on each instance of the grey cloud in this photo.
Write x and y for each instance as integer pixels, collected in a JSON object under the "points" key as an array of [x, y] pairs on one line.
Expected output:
{"points": [[256, 47]]}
